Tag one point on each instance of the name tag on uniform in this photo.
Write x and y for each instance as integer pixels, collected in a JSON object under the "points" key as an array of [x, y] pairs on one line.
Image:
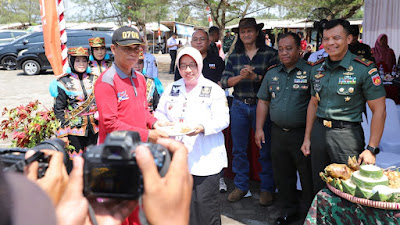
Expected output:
{"points": [[175, 90], [212, 66], [347, 80], [205, 91]]}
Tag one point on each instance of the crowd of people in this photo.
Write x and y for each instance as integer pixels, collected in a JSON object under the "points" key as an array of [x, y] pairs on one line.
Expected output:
{"points": [[305, 110]]}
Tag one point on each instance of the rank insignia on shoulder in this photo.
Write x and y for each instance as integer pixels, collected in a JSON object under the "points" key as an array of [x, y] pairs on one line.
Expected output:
{"points": [[319, 75], [363, 61], [376, 80], [205, 91], [273, 66]]}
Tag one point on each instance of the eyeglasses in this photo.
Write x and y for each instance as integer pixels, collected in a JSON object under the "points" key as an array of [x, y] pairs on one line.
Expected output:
{"points": [[192, 66], [202, 39]]}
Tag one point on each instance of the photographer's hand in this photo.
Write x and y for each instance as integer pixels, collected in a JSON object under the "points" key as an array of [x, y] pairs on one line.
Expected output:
{"points": [[55, 179], [168, 196]]}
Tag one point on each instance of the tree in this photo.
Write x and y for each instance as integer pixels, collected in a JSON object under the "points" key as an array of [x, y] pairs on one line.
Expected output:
{"points": [[27, 11], [225, 11], [340, 8]]}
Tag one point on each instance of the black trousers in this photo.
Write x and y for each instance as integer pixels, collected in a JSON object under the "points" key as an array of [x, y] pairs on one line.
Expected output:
{"points": [[204, 206], [172, 53], [287, 159], [333, 146]]}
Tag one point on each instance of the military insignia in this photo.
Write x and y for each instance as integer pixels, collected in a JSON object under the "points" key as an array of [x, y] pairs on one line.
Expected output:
{"points": [[296, 86], [270, 88], [304, 72], [205, 91], [350, 68], [298, 72], [272, 66], [317, 87], [273, 95], [347, 80], [348, 73], [341, 89], [301, 77], [317, 96], [371, 71], [347, 98], [275, 78], [321, 68], [363, 61], [376, 80], [300, 81], [351, 90], [304, 87], [175, 90], [319, 76], [277, 88]]}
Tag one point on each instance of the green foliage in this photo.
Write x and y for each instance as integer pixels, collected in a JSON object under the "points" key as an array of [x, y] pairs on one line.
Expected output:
{"points": [[340, 8], [27, 126], [139, 11], [23, 11]]}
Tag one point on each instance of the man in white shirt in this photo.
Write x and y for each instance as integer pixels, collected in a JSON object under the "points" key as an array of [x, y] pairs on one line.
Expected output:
{"points": [[172, 46]]}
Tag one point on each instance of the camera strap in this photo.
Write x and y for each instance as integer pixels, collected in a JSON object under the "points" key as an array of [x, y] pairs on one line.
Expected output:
{"points": [[19, 166], [92, 215]]}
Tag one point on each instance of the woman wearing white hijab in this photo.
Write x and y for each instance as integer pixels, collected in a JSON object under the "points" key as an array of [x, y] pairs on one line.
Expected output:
{"points": [[200, 104]]}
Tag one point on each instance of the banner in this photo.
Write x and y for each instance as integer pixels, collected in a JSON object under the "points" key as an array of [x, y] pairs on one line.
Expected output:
{"points": [[51, 34]]}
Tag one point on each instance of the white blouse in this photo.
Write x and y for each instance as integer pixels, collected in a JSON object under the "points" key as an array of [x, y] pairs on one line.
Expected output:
{"points": [[206, 105]]}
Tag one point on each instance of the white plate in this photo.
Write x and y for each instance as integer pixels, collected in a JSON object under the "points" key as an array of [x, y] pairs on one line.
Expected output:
{"points": [[175, 130]]}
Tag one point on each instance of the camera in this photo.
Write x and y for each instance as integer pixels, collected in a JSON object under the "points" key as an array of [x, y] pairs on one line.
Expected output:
{"points": [[111, 171], [13, 159]]}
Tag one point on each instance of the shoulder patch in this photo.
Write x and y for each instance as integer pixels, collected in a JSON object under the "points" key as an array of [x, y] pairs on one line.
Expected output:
{"points": [[273, 66], [318, 62], [363, 61]]}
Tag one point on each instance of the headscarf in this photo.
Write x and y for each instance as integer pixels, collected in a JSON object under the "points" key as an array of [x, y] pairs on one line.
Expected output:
{"points": [[383, 53], [196, 55]]}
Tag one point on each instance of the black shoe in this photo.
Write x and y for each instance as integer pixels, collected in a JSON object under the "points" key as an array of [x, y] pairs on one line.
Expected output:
{"points": [[285, 219]]}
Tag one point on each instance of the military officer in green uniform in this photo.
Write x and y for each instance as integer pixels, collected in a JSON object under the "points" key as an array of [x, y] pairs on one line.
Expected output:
{"points": [[358, 48], [341, 85], [285, 91]]}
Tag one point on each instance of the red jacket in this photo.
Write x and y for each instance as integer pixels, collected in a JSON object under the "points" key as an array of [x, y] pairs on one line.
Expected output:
{"points": [[120, 106]]}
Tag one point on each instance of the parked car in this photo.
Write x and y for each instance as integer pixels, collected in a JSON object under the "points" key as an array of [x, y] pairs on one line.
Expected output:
{"points": [[9, 51], [11, 35], [34, 61]]}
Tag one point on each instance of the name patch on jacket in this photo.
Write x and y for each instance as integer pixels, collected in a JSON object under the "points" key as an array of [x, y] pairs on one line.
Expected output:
{"points": [[212, 66], [205, 91], [122, 96], [175, 90]]}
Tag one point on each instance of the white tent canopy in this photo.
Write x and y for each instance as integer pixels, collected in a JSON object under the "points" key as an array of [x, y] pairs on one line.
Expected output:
{"points": [[382, 17]]}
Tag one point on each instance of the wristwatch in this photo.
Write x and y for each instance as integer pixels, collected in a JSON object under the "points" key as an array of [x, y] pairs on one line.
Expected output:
{"points": [[374, 150]]}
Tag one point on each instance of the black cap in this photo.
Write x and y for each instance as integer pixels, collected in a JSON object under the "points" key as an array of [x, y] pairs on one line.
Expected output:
{"points": [[126, 36]]}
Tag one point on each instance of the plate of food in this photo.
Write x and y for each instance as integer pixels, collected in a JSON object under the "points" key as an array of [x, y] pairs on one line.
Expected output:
{"points": [[367, 185], [177, 129], [388, 77]]}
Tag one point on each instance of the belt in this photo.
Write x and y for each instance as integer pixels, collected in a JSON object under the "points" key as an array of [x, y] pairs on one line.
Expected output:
{"points": [[337, 123], [287, 129], [248, 101]]}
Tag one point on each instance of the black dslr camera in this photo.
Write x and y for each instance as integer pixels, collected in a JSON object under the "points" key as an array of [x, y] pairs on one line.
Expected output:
{"points": [[13, 159], [111, 171]]}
